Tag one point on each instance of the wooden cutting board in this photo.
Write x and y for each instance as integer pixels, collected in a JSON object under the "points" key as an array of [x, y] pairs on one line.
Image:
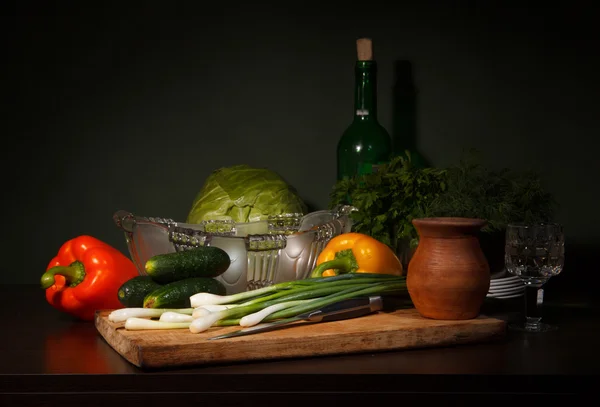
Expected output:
{"points": [[401, 329]]}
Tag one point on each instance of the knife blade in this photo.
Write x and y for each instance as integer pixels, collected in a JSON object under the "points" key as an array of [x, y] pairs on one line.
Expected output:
{"points": [[345, 309]]}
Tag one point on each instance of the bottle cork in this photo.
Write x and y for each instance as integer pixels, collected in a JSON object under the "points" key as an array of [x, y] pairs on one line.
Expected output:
{"points": [[364, 49]]}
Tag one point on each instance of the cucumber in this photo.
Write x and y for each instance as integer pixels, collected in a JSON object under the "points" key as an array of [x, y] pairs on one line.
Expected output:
{"points": [[133, 291], [177, 294], [203, 261]]}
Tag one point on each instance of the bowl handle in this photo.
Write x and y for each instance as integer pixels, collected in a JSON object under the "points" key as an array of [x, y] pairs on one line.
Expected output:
{"points": [[344, 210], [124, 220]]}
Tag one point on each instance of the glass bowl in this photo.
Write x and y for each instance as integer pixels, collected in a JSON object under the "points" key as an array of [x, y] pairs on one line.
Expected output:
{"points": [[282, 248]]}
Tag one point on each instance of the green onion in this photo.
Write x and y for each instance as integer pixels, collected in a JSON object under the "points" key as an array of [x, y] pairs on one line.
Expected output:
{"points": [[171, 316], [208, 308], [201, 299], [257, 317], [122, 314], [319, 294], [278, 301], [377, 289], [323, 288], [134, 324]]}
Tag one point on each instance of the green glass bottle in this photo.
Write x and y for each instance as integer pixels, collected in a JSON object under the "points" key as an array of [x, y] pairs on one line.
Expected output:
{"points": [[365, 144]]}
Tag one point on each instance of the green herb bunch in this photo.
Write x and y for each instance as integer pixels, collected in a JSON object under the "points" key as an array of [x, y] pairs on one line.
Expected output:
{"points": [[498, 196], [399, 192], [389, 199]]}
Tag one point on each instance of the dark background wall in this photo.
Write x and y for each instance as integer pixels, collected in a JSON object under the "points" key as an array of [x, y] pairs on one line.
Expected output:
{"points": [[132, 107]]}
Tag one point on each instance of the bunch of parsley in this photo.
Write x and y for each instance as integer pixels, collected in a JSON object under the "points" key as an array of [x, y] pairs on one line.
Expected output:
{"points": [[388, 200]]}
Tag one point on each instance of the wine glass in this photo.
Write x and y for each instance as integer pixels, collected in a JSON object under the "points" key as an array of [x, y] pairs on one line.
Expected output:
{"points": [[535, 253]]}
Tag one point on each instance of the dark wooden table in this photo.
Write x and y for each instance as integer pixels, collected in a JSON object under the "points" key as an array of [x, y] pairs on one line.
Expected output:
{"points": [[47, 357]]}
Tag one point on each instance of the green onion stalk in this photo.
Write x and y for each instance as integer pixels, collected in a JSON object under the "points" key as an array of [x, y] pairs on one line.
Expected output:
{"points": [[320, 295]]}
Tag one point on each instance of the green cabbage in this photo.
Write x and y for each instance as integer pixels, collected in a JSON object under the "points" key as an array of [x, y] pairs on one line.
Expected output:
{"points": [[244, 194]]}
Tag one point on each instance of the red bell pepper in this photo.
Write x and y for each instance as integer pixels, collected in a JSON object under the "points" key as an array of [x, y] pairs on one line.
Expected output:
{"points": [[85, 276]]}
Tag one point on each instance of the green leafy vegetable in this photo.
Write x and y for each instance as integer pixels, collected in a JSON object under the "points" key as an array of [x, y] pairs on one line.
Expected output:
{"points": [[244, 194], [389, 200], [293, 298], [499, 196]]}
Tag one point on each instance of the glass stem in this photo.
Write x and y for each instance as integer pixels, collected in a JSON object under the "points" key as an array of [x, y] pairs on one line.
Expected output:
{"points": [[533, 308]]}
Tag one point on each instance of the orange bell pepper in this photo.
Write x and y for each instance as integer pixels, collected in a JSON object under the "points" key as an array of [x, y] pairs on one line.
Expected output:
{"points": [[356, 253], [85, 276]]}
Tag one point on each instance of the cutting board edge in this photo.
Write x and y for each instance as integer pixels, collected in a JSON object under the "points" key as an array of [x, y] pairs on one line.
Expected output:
{"points": [[106, 330], [161, 357], [154, 362]]}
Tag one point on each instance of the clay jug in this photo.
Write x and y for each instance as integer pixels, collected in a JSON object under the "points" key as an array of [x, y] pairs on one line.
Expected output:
{"points": [[448, 276]]}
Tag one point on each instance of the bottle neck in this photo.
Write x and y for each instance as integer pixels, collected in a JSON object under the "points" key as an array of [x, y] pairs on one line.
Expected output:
{"points": [[365, 91]]}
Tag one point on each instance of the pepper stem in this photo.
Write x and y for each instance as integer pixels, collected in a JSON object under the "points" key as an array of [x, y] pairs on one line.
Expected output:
{"points": [[344, 262], [73, 274]]}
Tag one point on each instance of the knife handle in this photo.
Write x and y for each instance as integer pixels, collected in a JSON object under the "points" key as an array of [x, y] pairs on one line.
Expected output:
{"points": [[345, 309]]}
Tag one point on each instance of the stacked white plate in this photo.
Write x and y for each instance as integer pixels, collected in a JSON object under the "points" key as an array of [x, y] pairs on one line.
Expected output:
{"points": [[504, 286]]}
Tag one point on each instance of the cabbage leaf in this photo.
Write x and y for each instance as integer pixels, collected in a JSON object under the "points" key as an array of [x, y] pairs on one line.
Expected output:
{"points": [[242, 193]]}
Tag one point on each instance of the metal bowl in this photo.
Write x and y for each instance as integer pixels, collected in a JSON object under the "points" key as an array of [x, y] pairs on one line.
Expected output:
{"points": [[281, 248]]}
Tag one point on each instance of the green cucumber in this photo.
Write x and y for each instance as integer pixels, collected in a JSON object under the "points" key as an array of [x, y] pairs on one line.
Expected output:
{"points": [[133, 291], [203, 261], [177, 294]]}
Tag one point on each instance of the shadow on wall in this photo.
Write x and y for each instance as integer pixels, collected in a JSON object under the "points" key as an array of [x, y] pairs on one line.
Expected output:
{"points": [[580, 271], [311, 206], [404, 119]]}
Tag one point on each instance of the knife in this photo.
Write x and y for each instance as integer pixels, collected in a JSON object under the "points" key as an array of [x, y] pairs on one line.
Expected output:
{"points": [[345, 309]]}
